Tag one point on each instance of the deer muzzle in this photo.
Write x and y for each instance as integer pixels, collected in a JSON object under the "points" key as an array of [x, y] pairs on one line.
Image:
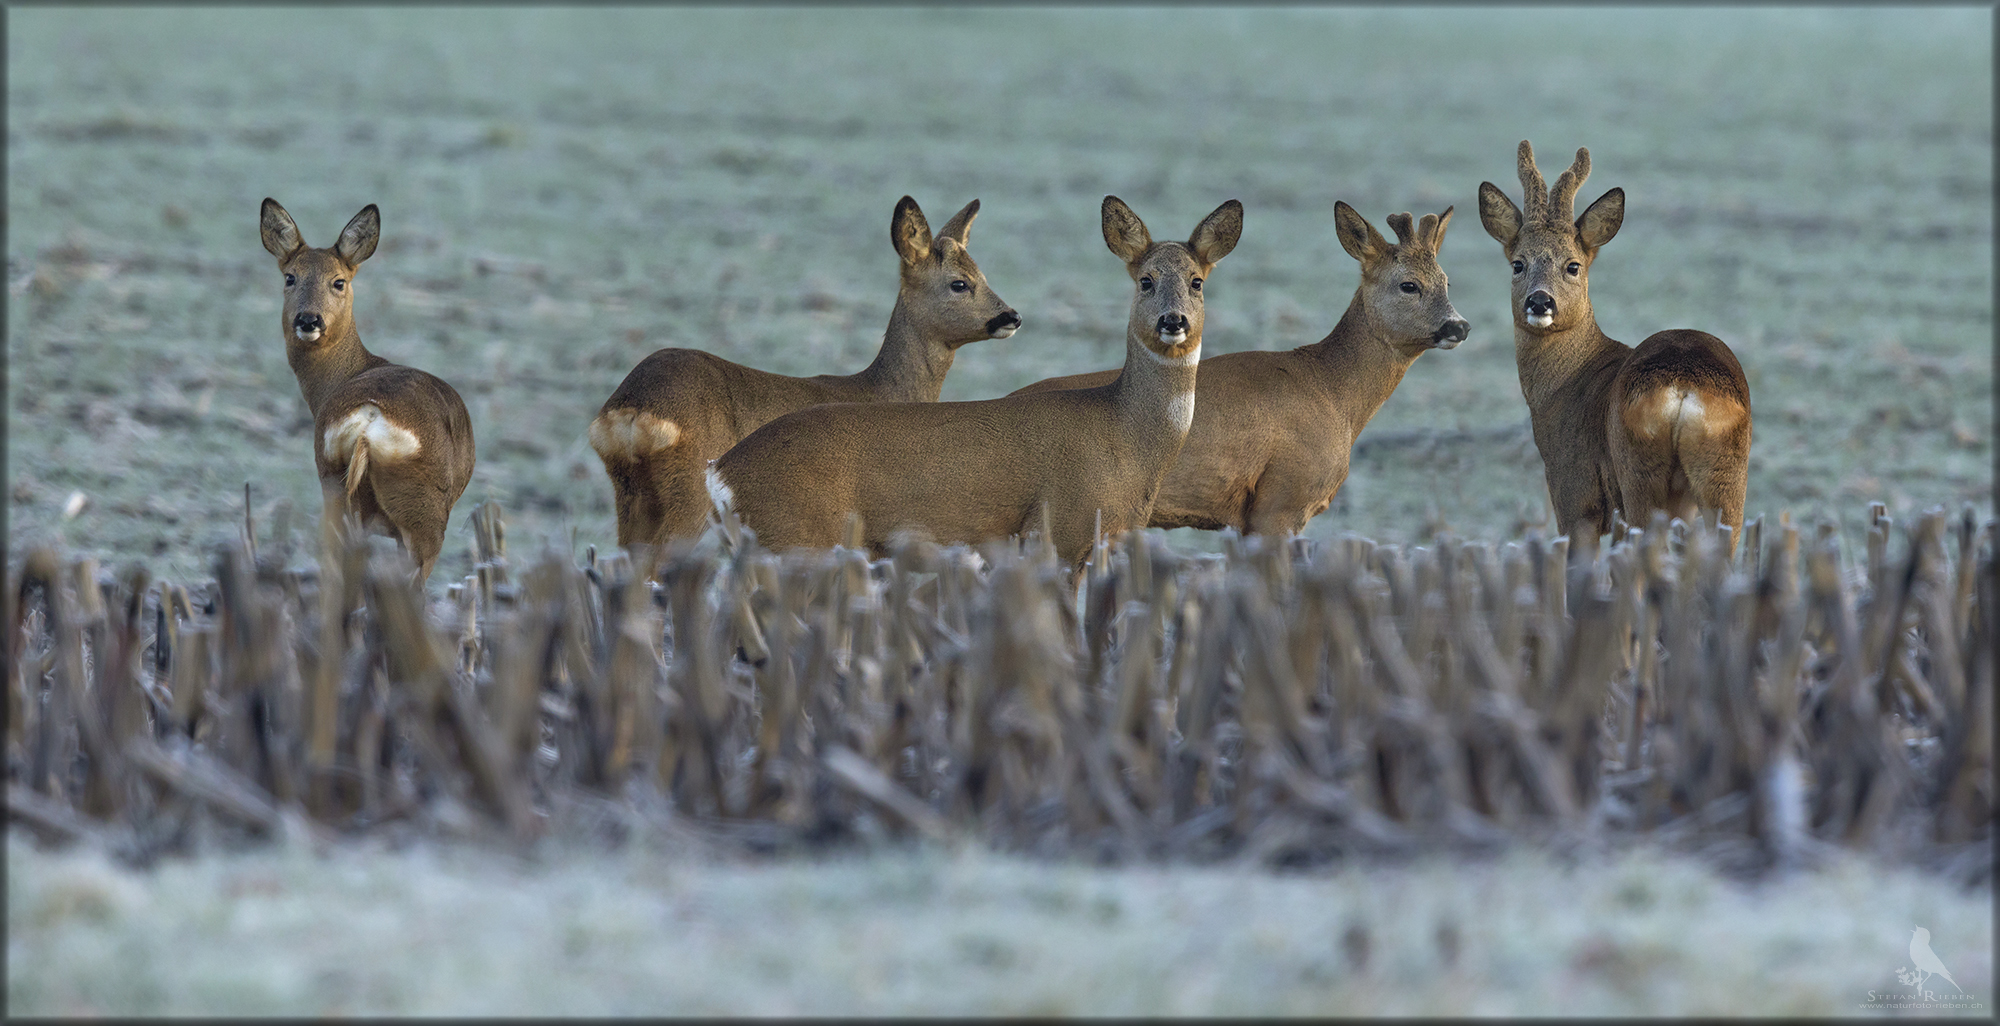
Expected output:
{"points": [[1172, 328], [1540, 309], [1450, 333], [307, 326], [1003, 324]]}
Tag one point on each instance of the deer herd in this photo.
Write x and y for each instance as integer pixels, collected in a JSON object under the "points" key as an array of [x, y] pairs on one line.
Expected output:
{"points": [[1257, 441]]}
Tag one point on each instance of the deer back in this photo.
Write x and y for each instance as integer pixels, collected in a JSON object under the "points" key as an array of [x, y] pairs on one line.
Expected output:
{"points": [[967, 471]]}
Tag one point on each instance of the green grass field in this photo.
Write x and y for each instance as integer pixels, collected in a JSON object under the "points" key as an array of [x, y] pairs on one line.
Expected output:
{"points": [[564, 191]]}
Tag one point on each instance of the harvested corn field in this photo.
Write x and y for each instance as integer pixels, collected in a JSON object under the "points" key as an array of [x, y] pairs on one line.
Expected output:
{"points": [[1287, 705]]}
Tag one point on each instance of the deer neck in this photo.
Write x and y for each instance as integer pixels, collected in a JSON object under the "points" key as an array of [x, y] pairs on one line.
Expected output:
{"points": [[324, 366], [1361, 364], [1561, 368], [910, 366], [1156, 396]]}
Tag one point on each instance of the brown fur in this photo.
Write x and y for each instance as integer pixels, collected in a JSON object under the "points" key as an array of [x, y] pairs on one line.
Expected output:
{"points": [[1272, 430], [1665, 426], [968, 471], [390, 490], [679, 409]]}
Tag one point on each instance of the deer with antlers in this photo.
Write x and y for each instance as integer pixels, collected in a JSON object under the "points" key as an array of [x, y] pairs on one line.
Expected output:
{"points": [[679, 409], [1273, 430], [392, 444], [966, 471], [1664, 426]]}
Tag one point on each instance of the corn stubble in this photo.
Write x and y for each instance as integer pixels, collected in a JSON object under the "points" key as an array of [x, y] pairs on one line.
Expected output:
{"points": [[1281, 702]]}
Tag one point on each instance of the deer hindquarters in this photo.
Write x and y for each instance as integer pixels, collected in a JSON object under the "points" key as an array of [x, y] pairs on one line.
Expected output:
{"points": [[365, 434], [1684, 421]]}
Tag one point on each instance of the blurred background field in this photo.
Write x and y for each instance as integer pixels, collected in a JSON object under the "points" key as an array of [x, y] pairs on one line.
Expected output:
{"points": [[564, 191]]}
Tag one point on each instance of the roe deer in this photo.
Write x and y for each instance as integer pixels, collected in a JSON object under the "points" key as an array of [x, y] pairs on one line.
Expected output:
{"points": [[679, 409], [1272, 430], [1665, 426], [973, 470], [393, 445]]}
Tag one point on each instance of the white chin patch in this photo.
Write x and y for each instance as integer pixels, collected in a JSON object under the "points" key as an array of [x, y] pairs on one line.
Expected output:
{"points": [[1003, 333], [1540, 320], [1173, 338], [307, 336]]}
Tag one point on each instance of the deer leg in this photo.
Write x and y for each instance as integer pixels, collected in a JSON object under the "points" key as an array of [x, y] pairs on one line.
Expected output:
{"points": [[423, 545], [680, 502], [1718, 476], [333, 526], [1278, 508], [417, 512], [625, 503]]}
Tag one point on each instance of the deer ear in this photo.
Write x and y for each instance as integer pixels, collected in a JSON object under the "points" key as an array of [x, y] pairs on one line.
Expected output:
{"points": [[1356, 235], [1498, 214], [960, 223], [908, 230], [357, 240], [1124, 232], [1602, 219], [280, 234], [1217, 234]]}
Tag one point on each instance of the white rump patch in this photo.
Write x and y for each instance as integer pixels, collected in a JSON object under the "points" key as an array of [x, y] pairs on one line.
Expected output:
{"points": [[631, 433], [719, 494], [1691, 412], [387, 440], [1673, 414]]}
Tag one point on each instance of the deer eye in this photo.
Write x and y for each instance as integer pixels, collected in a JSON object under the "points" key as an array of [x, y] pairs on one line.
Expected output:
{"points": [[1146, 283], [339, 284], [1519, 267], [1574, 267], [1194, 284], [1410, 287], [961, 285], [291, 280]]}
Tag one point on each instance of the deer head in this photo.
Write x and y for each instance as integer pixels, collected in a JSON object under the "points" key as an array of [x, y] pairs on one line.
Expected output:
{"points": [[319, 293], [943, 292], [1551, 255], [1167, 309], [1403, 290]]}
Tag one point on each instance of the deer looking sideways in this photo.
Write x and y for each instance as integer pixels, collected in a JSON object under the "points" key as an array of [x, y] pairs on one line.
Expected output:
{"points": [[1272, 430], [968, 471], [679, 409], [393, 445], [1665, 426]]}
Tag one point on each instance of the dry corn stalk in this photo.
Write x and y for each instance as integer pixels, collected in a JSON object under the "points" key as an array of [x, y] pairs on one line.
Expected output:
{"points": [[1290, 700]]}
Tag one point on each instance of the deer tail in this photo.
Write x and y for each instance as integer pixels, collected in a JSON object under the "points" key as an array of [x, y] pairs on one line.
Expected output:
{"points": [[357, 465]]}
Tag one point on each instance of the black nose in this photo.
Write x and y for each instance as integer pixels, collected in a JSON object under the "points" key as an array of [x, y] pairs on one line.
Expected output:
{"points": [[308, 322], [1173, 322], [1540, 302], [1010, 319], [1451, 331]]}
